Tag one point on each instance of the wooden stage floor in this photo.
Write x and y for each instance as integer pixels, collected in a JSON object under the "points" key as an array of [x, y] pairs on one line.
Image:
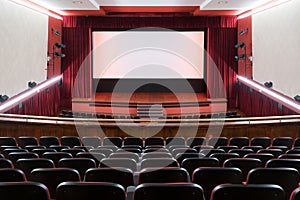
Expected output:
{"points": [[126, 103]]}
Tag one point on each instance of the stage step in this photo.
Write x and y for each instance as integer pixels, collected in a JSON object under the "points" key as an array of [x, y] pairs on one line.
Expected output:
{"points": [[150, 110]]}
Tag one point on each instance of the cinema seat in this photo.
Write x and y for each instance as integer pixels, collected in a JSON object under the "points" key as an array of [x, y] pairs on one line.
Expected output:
{"points": [[122, 176], [91, 141], [80, 164], [8, 141], [28, 164], [133, 156], [163, 191], [52, 177], [287, 178], [244, 164], [25, 190], [12, 175], [247, 192], [239, 141], [90, 190], [97, 157], [19, 155], [23, 141], [5, 163], [56, 156], [293, 163], [47, 141], [190, 164], [283, 141], [175, 141], [209, 178], [133, 141], [163, 175], [260, 141], [217, 141], [119, 162], [150, 141], [70, 141], [116, 141], [195, 141], [159, 162]]}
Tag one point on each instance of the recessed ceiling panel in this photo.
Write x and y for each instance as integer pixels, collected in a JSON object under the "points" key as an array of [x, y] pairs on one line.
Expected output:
{"points": [[231, 4], [68, 4], [149, 2]]}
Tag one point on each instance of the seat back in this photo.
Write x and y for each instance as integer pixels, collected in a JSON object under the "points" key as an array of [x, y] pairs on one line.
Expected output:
{"points": [[97, 157], [133, 156], [159, 162], [70, 141], [209, 178], [28, 164], [175, 141], [239, 141], [80, 164], [287, 178], [244, 164], [261, 141], [163, 175], [25, 190], [217, 141], [52, 177], [162, 191], [154, 141], [247, 192], [122, 176], [23, 141], [8, 141], [133, 141], [116, 141], [119, 162], [91, 141], [84, 190], [292, 163], [283, 141], [12, 175], [47, 141], [56, 156], [195, 141], [190, 164]]}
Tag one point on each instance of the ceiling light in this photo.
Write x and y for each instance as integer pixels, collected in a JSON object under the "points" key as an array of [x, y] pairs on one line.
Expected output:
{"points": [[3, 98], [268, 84], [240, 56], [59, 54], [239, 45], [60, 45]]}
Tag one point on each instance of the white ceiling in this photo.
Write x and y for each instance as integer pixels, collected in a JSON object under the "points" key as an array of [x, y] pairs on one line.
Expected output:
{"points": [[204, 4]]}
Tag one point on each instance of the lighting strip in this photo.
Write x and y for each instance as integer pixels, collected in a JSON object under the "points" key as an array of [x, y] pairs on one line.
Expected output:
{"points": [[262, 8], [37, 8], [273, 95], [29, 93]]}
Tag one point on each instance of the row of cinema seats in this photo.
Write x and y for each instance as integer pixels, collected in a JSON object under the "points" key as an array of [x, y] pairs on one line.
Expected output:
{"points": [[93, 141], [157, 168], [71, 114]]}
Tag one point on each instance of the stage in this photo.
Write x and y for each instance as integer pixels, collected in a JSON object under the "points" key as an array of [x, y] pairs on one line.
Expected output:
{"points": [[171, 104]]}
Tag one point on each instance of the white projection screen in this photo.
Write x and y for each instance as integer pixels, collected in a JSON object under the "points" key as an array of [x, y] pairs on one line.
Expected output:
{"points": [[23, 52], [276, 47], [148, 54]]}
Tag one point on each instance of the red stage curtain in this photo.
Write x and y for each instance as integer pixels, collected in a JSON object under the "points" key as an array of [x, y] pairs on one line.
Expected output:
{"points": [[76, 35], [255, 104]]}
